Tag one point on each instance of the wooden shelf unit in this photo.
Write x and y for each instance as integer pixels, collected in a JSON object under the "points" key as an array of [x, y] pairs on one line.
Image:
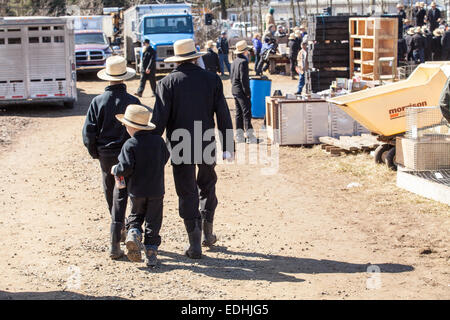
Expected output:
{"points": [[371, 39]]}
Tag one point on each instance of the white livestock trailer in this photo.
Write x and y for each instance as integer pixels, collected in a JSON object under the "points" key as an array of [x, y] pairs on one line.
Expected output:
{"points": [[37, 61]]}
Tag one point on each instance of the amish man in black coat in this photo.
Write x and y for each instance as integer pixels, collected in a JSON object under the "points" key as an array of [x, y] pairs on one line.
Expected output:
{"points": [[211, 59], [148, 69], [432, 17], [294, 48], [186, 101], [104, 137], [240, 88]]}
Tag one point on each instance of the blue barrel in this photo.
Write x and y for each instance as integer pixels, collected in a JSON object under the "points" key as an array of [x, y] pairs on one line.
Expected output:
{"points": [[260, 89]]}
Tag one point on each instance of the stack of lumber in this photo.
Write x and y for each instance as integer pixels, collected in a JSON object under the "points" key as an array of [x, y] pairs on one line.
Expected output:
{"points": [[347, 144]]}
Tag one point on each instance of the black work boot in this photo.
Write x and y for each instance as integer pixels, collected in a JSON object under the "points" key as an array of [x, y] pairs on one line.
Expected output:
{"points": [[115, 251], [150, 257], [209, 238], [194, 229]]}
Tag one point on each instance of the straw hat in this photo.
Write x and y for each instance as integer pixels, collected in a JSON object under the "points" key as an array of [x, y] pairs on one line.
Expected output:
{"points": [[241, 47], [184, 50], [292, 36], [438, 32], [400, 5], [433, 3], [418, 30], [422, 4], [116, 70], [210, 44], [417, 4], [424, 29], [298, 33], [410, 31], [303, 27], [136, 116]]}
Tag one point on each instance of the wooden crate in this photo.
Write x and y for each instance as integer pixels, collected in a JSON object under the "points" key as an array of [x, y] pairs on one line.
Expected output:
{"points": [[371, 39]]}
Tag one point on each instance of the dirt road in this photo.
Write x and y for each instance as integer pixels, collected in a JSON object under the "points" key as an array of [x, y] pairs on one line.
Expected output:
{"points": [[298, 234]]}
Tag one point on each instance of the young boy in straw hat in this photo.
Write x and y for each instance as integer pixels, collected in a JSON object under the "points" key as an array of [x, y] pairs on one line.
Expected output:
{"points": [[104, 137], [142, 160]]}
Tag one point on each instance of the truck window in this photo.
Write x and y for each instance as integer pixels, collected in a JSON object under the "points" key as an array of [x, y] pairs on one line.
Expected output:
{"points": [[169, 24], [90, 38], [46, 39], [2, 41], [59, 39], [33, 40]]}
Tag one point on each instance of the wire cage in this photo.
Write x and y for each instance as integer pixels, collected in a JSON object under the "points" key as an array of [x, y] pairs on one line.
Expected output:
{"points": [[405, 69], [427, 140]]}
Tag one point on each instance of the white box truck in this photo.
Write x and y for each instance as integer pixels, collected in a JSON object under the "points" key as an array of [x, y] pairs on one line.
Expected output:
{"points": [[162, 24], [37, 61]]}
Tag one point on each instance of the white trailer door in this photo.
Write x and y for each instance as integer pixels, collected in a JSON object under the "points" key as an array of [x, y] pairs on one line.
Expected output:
{"points": [[47, 60], [12, 75]]}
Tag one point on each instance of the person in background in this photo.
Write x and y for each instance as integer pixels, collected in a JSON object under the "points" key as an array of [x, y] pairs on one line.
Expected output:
{"points": [[437, 45], [104, 137], [402, 51], [280, 32], [257, 45], [302, 66], [148, 69], [268, 44], [432, 17], [445, 42], [420, 15], [271, 29], [223, 50], [408, 39], [293, 52], [270, 20], [240, 88], [211, 59], [418, 46], [303, 31], [428, 42], [401, 11], [406, 25]]}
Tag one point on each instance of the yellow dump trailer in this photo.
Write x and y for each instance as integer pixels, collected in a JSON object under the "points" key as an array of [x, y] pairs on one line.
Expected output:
{"points": [[382, 110]]}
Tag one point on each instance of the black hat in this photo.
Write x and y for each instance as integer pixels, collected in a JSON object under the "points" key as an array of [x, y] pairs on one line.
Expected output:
{"points": [[147, 41]]}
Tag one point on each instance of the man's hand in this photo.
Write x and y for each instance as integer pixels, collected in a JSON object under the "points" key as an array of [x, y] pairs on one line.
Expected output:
{"points": [[147, 71]]}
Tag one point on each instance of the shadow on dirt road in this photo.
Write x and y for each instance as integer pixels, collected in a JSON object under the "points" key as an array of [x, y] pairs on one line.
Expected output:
{"points": [[256, 266]]}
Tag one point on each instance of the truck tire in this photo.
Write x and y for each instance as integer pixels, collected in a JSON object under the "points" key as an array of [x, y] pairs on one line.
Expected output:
{"points": [[379, 152], [390, 159], [69, 104]]}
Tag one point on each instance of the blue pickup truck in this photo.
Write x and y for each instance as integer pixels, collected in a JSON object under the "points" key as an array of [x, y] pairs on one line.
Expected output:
{"points": [[162, 24]]}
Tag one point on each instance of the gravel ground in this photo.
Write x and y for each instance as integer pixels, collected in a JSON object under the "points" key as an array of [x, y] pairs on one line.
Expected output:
{"points": [[297, 234]]}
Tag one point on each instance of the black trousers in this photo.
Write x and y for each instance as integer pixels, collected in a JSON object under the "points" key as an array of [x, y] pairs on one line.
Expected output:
{"points": [[196, 193], [151, 78], [293, 65], [116, 198], [150, 211], [243, 113]]}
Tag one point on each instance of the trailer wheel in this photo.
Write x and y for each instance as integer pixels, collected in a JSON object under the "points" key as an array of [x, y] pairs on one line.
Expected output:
{"points": [[390, 159], [379, 152], [69, 104]]}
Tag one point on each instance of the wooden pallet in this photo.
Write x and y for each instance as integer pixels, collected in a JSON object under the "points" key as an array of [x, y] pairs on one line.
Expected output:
{"points": [[347, 144]]}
